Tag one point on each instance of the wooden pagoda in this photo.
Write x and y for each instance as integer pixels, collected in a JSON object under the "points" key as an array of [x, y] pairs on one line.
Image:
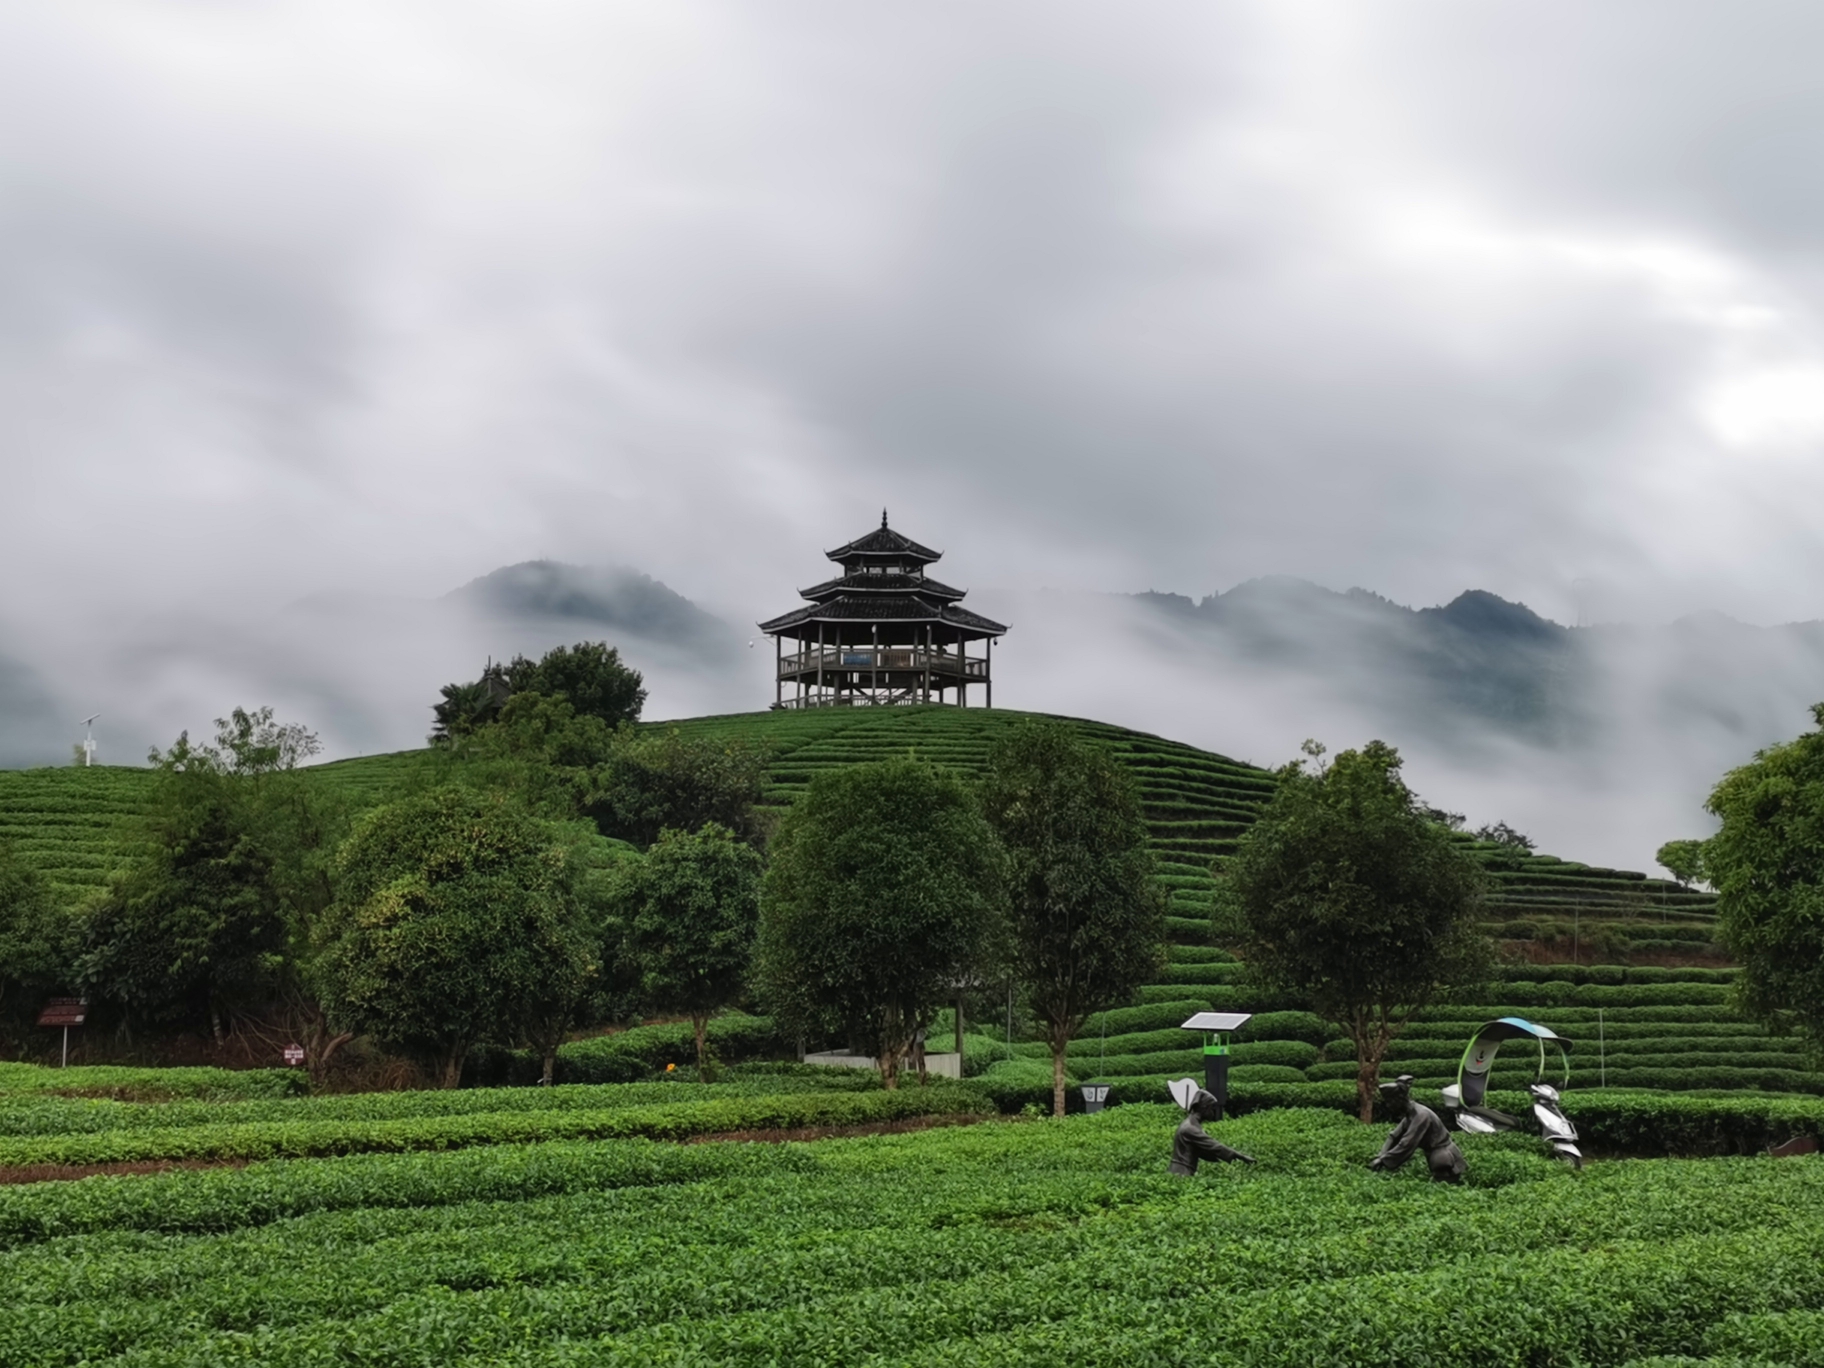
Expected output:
{"points": [[881, 632]]}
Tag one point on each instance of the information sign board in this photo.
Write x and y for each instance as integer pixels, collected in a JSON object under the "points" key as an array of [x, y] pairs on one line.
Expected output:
{"points": [[64, 1012]]}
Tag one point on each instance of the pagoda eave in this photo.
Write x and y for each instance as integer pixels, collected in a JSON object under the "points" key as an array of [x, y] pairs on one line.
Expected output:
{"points": [[881, 633]]}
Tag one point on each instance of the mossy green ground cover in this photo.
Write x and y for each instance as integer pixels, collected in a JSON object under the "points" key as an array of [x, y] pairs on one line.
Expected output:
{"points": [[1006, 1243]]}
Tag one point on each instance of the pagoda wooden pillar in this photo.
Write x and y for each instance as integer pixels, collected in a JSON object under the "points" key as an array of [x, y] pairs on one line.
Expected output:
{"points": [[988, 673], [818, 702], [874, 667], [962, 670], [778, 667]]}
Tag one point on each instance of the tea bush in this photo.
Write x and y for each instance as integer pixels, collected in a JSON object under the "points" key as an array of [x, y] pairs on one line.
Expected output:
{"points": [[1026, 1243]]}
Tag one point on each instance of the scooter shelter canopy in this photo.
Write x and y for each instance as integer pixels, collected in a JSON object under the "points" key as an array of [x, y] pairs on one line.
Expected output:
{"points": [[1485, 1044]]}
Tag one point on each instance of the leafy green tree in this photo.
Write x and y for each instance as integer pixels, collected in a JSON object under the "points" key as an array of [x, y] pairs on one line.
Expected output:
{"points": [[540, 750], [1346, 894], [465, 709], [1684, 861], [689, 908], [38, 942], [453, 914], [885, 888], [588, 983], [632, 782], [211, 921], [655, 781], [1766, 863], [1087, 918], [590, 676]]}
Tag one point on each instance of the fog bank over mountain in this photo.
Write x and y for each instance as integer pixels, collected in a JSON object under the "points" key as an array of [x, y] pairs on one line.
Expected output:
{"points": [[362, 670], [1600, 742]]}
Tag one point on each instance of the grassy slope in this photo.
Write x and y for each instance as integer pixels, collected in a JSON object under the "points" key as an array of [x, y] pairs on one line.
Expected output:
{"points": [[78, 824]]}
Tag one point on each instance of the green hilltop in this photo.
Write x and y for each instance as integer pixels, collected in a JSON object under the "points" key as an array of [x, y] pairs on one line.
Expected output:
{"points": [[1603, 953]]}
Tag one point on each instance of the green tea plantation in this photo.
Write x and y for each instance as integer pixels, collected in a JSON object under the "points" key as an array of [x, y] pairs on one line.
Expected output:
{"points": [[1625, 965], [492, 1227]]}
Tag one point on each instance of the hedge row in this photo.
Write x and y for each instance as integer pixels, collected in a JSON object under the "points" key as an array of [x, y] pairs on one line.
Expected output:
{"points": [[1610, 1121], [1154, 1016], [1629, 1027], [222, 1199], [1026, 1084], [1657, 1124], [1430, 1074], [47, 1115], [1654, 1052], [126, 1083], [1204, 973], [1564, 1018], [311, 1139], [1526, 993], [1087, 1049], [1612, 974], [1634, 932], [1199, 954], [629, 1056]]}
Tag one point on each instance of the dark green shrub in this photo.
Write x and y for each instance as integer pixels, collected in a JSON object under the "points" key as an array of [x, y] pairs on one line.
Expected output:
{"points": [[1305, 1026]]}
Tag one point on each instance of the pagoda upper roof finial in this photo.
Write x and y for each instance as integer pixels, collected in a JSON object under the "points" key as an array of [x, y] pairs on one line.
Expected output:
{"points": [[883, 517]]}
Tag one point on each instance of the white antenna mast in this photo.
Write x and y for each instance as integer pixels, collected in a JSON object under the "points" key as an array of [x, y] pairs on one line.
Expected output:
{"points": [[88, 740]]}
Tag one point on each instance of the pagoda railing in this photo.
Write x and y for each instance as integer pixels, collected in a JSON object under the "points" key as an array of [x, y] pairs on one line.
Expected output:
{"points": [[845, 659], [861, 700]]}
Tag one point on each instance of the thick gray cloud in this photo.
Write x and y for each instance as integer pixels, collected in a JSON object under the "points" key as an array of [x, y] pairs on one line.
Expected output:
{"points": [[376, 298]]}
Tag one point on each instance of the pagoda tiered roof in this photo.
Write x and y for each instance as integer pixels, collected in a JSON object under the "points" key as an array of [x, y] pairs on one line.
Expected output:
{"points": [[866, 593], [884, 543], [895, 610], [883, 584], [881, 633]]}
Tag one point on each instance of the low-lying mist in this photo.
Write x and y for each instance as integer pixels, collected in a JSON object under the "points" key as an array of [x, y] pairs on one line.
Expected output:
{"points": [[1598, 742]]}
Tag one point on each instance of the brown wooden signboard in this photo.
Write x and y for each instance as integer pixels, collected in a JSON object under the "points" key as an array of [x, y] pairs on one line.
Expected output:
{"points": [[64, 1012]]}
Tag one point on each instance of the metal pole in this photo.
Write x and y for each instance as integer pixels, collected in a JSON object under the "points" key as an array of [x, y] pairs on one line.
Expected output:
{"points": [[66, 1049]]}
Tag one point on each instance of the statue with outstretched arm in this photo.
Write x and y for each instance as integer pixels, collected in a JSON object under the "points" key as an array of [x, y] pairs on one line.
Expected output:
{"points": [[1419, 1129], [1193, 1144]]}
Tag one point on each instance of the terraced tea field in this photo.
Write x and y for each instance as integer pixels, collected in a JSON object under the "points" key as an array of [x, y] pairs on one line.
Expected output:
{"points": [[77, 826], [1644, 999]]}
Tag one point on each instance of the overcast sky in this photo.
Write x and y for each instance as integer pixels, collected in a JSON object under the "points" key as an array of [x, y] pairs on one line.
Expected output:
{"points": [[1417, 297]]}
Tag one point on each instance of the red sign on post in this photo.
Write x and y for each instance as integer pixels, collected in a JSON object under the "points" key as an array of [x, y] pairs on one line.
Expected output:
{"points": [[64, 1012], [294, 1055]]}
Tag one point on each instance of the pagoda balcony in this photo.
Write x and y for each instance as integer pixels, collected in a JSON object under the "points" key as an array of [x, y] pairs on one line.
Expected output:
{"points": [[842, 660]]}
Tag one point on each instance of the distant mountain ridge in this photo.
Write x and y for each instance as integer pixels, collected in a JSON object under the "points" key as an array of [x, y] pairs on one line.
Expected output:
{"points": [[613, 596], [1477, 661]]}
